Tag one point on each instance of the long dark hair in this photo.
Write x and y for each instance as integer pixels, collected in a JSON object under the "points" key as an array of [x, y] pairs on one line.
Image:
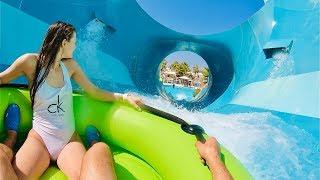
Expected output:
{"points": [[56, 33]]}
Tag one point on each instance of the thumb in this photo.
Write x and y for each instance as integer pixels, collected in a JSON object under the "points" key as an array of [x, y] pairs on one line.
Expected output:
{"points": [[198, 144]]}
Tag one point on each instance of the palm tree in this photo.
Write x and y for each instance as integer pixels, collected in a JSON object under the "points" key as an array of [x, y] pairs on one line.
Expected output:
{"points": [[206, 73], [195, 69], [163, 65]]}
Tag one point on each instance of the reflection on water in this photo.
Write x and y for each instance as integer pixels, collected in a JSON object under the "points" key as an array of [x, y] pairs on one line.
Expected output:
{"points": [[179, 93]]}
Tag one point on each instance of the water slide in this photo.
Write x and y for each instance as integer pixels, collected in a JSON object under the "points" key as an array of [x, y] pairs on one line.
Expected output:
{"points": [[268, 62]]}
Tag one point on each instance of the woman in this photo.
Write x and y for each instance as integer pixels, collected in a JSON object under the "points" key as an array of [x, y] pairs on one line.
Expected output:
{"points": [[53, 131]]}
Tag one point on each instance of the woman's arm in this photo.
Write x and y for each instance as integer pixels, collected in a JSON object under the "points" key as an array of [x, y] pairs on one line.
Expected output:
{"points": [[97, 93], [15, 70]]}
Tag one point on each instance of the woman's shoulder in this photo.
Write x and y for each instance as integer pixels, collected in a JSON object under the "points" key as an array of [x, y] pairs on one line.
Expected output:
{"points": [[71, 64], [29, 58]]}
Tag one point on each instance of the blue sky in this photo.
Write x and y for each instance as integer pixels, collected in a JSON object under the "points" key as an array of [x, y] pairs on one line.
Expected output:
{"points": [[192, 17], [200, 16], [186, 56]]}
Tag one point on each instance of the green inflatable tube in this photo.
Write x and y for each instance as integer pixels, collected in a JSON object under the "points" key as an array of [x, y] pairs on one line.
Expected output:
{"points": [[144, 145]]}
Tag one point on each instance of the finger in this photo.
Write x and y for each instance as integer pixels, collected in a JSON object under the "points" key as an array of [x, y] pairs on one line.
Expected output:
{"points": [[196, 144], [199, 143], [140, 104], [210, 138], [140, 101], [136, 106]]}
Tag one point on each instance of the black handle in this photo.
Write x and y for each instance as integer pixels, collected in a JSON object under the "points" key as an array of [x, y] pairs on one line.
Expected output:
{"points": [[163, 114], [191, 129], [197, 131]]}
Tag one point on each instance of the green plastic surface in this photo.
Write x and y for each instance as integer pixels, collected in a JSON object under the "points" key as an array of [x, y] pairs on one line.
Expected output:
{"points": [[145, 146]]}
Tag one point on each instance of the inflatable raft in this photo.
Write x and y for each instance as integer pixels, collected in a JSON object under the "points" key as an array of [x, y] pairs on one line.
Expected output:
{"points": [[146, 145]]}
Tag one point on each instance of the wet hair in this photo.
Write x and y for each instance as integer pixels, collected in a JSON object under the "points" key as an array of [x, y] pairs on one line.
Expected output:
{"points": [[56, 33]]}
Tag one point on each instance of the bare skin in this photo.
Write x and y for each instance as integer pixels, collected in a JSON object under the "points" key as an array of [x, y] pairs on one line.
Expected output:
{"points": [[6, 170], [210, 152], [97, 162], [6, 156], [33, 158]]}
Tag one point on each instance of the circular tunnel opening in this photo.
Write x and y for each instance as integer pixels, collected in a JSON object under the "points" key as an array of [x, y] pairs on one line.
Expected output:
{"points": [[216, 55], [184, 76]]}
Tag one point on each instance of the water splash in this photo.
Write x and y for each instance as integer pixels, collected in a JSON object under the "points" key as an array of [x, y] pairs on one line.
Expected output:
{"points": [[181, 96], [283, 65], [89, 40], [20, 4], [268, 146], [315, 3]]}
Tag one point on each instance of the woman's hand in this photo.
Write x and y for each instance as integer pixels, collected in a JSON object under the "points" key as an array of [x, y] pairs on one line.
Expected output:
{"points": [[210, 150], [133, 100]]}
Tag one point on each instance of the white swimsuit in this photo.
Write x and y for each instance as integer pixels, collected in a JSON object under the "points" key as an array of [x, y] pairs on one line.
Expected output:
{"points": [[53, 114]]}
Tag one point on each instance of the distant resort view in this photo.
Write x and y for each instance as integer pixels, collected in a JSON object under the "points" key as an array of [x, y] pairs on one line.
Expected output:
{"points": [[187, 80]]}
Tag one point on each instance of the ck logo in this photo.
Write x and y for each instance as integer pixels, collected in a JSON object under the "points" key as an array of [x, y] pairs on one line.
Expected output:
{"points": [[55, 108]]}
